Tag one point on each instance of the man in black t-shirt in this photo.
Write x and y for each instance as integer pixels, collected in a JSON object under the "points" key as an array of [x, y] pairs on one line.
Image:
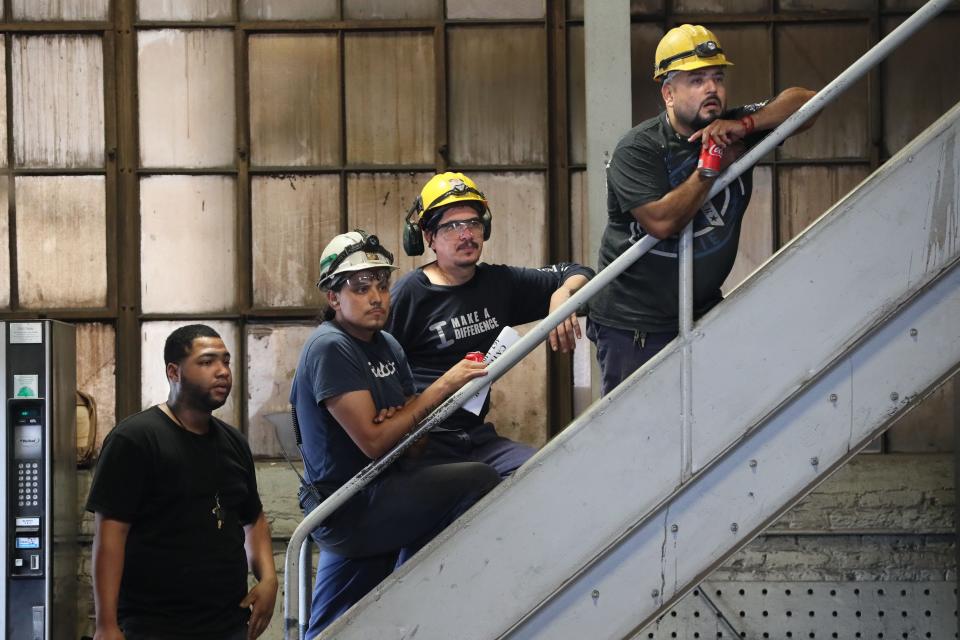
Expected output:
{"points": [[457, 304], [654, 188], [179, 521]]}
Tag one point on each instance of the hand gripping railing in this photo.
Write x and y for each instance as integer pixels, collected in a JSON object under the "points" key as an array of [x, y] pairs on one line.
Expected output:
{"points": [[297, 590]]}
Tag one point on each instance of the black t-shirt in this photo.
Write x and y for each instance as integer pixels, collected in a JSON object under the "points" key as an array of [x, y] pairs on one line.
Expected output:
{"points": [[437, 325], [182, 575], [650, 161], [332, 363]]}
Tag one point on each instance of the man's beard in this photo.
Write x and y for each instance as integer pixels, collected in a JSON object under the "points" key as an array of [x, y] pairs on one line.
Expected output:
{"points": [[198, 399]]}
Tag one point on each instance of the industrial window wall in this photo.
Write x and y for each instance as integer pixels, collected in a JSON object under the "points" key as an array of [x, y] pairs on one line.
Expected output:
{"points": [[172, 161]]}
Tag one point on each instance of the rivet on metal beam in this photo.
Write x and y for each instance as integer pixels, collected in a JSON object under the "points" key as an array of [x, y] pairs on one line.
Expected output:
{"points": [[814, 461], [913, 333], [753, 464], [833, 398], [894, 396], [655, 593], [734, 527], [595, 594], [674, 528]]}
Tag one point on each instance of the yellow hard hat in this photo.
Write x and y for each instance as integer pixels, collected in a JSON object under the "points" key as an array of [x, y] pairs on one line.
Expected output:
{"points": [[448, 188], [685, 48]]}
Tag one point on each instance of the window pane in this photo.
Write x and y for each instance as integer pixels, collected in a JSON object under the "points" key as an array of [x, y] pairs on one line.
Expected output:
{"points": [[576, 95], [826, 5], [750, 79], [96, 368], [391, 98], [913, 87], [497, 109], [59, 9], [186, 98], [187, 231], [4, 245], [806, 193], [66, 71], [293, 219], [295, 100], [646, 99], [637, 8], [378, 203], [579, 221], [929, 426], [756, 236], [391, 9], [518, 206], [3, 101], [61, 241], [272, 355], [154, 387], [288, 9], [496, 9], [185, 9], [811, 56]]}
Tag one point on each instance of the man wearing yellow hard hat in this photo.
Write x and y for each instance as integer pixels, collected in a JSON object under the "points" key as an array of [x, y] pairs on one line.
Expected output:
{"points": [[456, 305], [655, 187]]}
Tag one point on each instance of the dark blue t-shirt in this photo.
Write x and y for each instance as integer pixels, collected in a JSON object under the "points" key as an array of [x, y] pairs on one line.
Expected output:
{"points": [[333, 363]]}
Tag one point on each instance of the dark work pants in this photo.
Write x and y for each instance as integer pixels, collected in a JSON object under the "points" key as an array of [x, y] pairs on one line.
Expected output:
{"points": [[385, 524], [620, 352]]}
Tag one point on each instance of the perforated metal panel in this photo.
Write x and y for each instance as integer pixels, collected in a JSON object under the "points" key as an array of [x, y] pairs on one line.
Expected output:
{"points": [[780, 610]]}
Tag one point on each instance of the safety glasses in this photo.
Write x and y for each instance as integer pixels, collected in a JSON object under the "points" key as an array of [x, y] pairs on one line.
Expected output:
{"points": [[454, 228], [361, 282]]}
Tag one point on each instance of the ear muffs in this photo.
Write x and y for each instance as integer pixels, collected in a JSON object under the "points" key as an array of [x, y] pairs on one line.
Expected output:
{"points": [[487, 221], [412, 236]]}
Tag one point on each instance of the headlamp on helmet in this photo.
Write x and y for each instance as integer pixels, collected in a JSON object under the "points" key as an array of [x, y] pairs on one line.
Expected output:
{"points": [[349, 252]]}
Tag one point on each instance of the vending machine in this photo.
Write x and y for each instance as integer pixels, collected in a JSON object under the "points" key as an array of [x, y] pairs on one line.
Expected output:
{"points": [[38, 461]]}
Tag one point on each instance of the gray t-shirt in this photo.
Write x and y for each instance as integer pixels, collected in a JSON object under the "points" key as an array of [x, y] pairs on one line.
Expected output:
{"points": [[650, 161]]}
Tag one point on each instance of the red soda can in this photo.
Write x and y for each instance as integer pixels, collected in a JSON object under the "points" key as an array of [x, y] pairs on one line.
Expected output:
{"points": [[476, 356], [710, 157]]}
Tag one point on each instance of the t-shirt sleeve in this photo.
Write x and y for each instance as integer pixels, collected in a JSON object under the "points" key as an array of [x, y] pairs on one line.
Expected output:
{"points": [[334, 368], [119, 480], [531, 290], [637, 175]]}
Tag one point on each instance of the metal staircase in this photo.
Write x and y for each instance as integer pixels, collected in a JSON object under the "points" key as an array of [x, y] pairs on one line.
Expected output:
{"points": [[840, 332]]}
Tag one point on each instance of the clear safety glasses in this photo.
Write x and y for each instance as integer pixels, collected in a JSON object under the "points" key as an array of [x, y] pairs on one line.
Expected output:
{"points": [[454, 228]]}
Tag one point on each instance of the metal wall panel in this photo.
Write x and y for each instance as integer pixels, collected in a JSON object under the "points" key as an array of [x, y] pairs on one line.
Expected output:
{"points": [[289, 9], [378, 203], [186, 98], [756, 237], [580, 225], [913, 91], [66, 71], [60, 9], [805, 193], [497, 109], [154, 387], [906, 5], [61, 241], [187, 244], [293, 217], [390, 98], [96, 368], [4, 245], [496, 9], [637, 7], [294, 107], [811, 55], [929, 427], [518, 400], [646, 98], [826, 5], [392, 10], [185, 10], [272, 354]]}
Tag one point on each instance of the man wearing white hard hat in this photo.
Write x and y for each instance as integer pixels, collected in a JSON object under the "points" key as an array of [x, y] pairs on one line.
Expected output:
{"points": [[354, 397]]}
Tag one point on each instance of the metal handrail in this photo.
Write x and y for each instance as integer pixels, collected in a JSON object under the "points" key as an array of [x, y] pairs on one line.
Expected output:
{"points": [[294, 560]]}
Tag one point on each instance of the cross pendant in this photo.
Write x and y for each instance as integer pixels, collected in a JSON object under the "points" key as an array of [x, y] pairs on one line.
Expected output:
{"points": [[217, 511]]}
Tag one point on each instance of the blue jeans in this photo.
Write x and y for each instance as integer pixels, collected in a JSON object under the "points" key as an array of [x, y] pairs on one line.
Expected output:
{"points": [[620, 352]]}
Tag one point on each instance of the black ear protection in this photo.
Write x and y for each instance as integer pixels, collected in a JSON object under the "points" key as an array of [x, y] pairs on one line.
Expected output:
{"points": [[413, 234]]}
